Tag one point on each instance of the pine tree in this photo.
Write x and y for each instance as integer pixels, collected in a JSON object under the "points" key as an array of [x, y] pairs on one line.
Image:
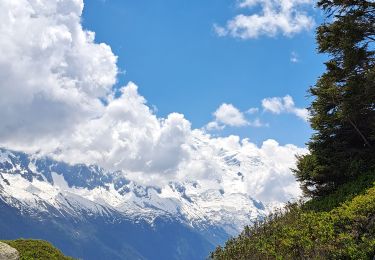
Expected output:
{"points": [[343, 110]]}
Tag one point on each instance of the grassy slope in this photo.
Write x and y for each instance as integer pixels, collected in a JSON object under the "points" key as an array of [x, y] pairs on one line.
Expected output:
{"points": [[36, 249], [338, 226]]}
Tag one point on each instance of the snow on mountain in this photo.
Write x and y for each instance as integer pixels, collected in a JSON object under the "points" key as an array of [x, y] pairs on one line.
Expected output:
{"points": [[36, 184]]}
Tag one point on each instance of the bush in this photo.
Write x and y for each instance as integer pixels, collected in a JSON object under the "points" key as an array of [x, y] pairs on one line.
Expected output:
{"points": [[36, 250], [305, 231]]}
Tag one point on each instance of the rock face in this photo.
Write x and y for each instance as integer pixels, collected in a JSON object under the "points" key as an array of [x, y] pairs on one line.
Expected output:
{"points": [[8, 253]]}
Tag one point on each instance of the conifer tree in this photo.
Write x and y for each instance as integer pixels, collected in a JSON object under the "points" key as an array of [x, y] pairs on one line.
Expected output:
{"points": [[343, 109]]}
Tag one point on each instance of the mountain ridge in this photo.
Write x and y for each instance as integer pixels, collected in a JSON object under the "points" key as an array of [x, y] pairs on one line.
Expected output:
{"points": [[38, 192]]}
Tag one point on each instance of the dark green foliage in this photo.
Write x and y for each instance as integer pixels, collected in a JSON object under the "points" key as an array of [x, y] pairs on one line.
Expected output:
{"points": [[347, 231], [343, 111], [36, 250], [346, 192]]}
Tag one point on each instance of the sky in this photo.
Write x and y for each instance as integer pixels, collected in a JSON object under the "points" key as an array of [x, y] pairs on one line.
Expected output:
{"points": [[160, 90], [171, 51]]}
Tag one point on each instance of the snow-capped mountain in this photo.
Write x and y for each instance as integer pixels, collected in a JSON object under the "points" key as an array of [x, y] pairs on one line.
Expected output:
{"points": [[35, 182], [37, 188]]}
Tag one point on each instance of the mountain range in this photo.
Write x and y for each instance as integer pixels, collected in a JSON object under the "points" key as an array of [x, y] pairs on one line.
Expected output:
{"points": [[92, 213]]}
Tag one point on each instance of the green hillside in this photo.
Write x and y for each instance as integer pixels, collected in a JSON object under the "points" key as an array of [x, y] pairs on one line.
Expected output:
{"points": [[340, 226], [36, 250]]}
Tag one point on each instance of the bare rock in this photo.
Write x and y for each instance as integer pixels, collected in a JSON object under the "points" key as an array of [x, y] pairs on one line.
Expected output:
{"points": [[8, 253]]}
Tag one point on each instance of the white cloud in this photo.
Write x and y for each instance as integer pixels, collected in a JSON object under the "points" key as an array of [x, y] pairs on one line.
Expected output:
{"points": [[257, 123], [53, 79], [228, 114], [213, 125], [252, 110], [220, 31], [265, 168], [294, 57], [52, 73], [129, 136], [269, 18], [278, 105]]}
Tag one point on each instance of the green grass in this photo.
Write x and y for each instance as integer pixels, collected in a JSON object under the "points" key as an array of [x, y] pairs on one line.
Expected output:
{"points": [[36, 250], [338, 226]]}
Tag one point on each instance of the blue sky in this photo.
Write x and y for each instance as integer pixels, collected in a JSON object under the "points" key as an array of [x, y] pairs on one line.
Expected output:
{"points": [[202, 66], [171, 51]]}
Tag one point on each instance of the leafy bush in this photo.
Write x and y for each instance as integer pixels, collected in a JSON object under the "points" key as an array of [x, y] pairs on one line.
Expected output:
{"points": [[305, 231], [36, 250]]}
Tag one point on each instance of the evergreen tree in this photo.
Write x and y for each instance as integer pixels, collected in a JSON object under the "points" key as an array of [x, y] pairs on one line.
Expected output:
{"points": [[343, 110]]}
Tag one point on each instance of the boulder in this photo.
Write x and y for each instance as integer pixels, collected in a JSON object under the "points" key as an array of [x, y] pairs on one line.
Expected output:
{"points": [[8, 253]]}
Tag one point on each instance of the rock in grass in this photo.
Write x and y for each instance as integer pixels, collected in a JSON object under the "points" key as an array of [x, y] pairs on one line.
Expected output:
{"points": [[7, 252]]}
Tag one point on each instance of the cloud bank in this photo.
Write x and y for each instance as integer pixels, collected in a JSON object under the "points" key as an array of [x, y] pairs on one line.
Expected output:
{"points": [[268, 18], [57, 99]]}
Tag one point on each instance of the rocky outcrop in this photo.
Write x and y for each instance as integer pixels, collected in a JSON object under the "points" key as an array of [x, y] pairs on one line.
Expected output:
{"points": [[8, 253]]}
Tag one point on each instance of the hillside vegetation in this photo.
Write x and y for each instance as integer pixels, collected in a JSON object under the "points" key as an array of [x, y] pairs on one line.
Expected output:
{"points": [[340, 226], [36, 250]]}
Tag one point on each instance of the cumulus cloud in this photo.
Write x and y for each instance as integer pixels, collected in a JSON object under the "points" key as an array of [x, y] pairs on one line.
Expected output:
{"points": [[56, 99], [269, 18], [129, 136], [278, 105], [263, 171], [229, 115], [52, 73]]}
